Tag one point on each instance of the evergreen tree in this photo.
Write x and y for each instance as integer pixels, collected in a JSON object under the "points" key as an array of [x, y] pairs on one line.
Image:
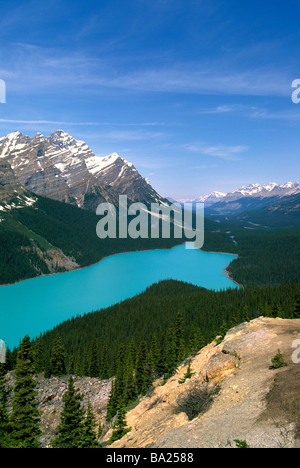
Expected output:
{"points": [[5, 422], [58, 367], [278, 360], [246, 317], [120, 425], [154, 352], [78, 366], [94, 369], [224, 329], [89, 435], [38, 355], [274, 310], [86, 363], [149, 373], [69, 431], [140, 367], [130, 391], [161, 360], [188, 374], [234, 320], [179, 338], [25, 415], [296, 311], [171, 362], [112, 404], [104, 367]]}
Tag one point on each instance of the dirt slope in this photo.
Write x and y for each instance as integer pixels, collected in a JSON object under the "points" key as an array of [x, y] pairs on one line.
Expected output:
{"points": [[255, 403]]}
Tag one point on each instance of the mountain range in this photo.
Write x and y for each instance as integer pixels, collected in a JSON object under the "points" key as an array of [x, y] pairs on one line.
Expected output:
{"points": [[65, 169], [253, 191], [269, 205]]}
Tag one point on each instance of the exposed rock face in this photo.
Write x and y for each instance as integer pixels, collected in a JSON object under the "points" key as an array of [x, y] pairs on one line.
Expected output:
{"points": [[65, 169], [50, 393], [12, 194], [248, 406]]}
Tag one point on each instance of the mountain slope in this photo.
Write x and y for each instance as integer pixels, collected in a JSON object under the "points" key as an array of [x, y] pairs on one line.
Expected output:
{"points": [[283, 212], [65, 169], [43, 236], [12, 193]]}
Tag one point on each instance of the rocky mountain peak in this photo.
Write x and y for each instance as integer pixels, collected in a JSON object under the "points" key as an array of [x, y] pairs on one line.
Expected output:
{"points": [[66, 169]]}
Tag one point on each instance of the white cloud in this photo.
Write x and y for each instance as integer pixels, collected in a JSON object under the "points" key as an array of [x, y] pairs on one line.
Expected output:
{"points": [[227, 152]]}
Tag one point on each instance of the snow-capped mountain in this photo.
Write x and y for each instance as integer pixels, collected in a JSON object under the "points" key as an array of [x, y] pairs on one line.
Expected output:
{"points": [[254, 196], [262, 191], [66, 169], [254, 190]]}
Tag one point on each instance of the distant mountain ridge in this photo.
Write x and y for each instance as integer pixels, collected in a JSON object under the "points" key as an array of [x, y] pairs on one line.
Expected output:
{"points": [[253, 190], [65, 169]]}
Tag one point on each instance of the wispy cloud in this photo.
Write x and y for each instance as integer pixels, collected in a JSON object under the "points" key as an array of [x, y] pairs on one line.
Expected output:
{"points": [[227, 152], [35, 67], [88, 124]]}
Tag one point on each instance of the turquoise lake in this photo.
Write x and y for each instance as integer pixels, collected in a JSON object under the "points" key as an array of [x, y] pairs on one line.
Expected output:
{"points": [[36, 305]]}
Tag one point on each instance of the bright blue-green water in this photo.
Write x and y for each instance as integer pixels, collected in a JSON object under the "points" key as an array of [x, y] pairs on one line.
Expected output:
{"points": [[36, 305]]}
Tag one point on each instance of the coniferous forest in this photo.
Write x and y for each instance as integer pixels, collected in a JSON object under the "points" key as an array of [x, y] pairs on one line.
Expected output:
{"points": [[134, 342]]}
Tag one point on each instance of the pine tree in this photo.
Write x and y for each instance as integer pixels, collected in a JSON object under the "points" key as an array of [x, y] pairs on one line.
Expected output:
{"points": [[89, 435], [140, 367], [171, 362], [69, 431], [38, 356], [25, 415], [94, 369], [179, 338], [234, 320], [278, 360], [161, 360], [112, 405], [274, 310], [120, 425], [104, 367], [154, 352], [224, 329], [78, 366], [188, 374], [58, 367], [130, 391], [86, 363], [5, 421], [149, 373], [246, 317], [296, 312]]}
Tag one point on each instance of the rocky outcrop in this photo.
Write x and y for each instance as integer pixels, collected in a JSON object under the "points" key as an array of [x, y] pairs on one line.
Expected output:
{"points": [[248, 405]]}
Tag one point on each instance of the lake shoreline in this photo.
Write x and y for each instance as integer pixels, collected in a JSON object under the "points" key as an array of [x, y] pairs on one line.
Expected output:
{"points": [[122, 253], [89, 266]]}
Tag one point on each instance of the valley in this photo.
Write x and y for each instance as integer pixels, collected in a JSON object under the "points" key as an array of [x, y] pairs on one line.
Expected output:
{"points": [[127, 320]]}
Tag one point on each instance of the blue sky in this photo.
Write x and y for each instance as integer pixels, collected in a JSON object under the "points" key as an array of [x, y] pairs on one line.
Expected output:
{"points": [[197, 94]]}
